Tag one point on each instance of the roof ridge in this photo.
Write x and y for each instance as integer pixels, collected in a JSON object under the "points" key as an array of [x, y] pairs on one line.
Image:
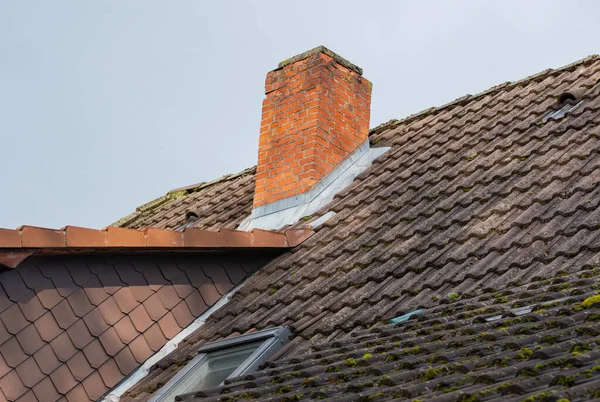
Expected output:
{"points": [[469, 98], [18, 244]]}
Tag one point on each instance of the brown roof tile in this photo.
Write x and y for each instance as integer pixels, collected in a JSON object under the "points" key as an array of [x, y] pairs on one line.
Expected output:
{"points": [[46, 359], [12, 352], [45, 391], [125, 300], [29, 372], [196, 303], [129, 326], [140, 349], [29, 396], [182, 314], [79, 334], [47, 327], [13, 285], [126, 361], [110, 373], [41, 237], [80, 303], [111, 342], [154, 307], [63, 380], [168, 297], [79, 366], [63, 347], [155, 337], [94, 386], [48, 294], [31, 306], [95, 353], [13, 319], [63, 314], [77, 394], [109, 309], [12, 386], [30, 340], [169, 325], [95, 322], [4, 368]]}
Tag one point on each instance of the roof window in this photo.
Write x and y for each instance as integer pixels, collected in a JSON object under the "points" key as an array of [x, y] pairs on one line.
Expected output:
{"points": [[223, 359]]}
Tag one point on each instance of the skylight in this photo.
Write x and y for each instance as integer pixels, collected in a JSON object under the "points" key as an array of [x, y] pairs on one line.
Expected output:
{"points": [[223, 359]]}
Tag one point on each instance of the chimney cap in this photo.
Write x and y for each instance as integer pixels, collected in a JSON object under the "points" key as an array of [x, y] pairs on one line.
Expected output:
{"points": [[322, 49]]}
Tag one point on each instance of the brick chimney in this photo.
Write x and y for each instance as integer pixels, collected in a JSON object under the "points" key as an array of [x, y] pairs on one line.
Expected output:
{"points": [[315, 115]]}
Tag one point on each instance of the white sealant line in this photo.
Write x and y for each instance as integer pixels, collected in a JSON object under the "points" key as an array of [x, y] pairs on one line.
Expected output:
{"points": [[142, 371]]}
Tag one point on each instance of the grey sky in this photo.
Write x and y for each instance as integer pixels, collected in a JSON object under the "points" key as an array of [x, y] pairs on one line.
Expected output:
{"points": [[105, 105]]}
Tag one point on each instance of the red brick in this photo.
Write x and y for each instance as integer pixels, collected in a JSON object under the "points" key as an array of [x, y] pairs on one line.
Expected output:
{"points": [[163, 238], [84, 237], [123, 237], [193, 237], [35, 237]]}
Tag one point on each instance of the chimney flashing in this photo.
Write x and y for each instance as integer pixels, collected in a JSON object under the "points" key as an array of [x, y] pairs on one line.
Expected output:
{"points": [[321, 49]]}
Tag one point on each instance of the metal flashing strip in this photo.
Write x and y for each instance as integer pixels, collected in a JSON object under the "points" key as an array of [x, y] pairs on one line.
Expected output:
{"points": [[114, 395], [290, 210]]}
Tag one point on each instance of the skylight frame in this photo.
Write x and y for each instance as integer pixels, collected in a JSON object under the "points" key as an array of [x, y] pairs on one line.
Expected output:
{"points": [[273, 340]]}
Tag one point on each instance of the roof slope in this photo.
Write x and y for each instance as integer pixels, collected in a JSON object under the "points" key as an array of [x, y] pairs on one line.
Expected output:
{"points": [[540, 341], [472, 195], [221, 203]]}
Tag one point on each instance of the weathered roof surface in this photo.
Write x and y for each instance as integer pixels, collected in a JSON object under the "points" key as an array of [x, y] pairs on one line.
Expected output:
{"points": [[540, 340], [221, 203], [71, 327], [475, 194]]}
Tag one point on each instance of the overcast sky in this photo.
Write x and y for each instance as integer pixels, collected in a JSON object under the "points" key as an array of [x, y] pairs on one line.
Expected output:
{"points": [[105, 105]]}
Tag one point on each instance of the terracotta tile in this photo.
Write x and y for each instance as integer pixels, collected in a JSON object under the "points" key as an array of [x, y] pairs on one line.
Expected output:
{"points": [[182, 314], [30, 273], [13, 285], [4, 368], [169, 326], [84, 237], [108, 276], [80, 303], [12, 386], [154, 307], [125, 327], [111, 342], [95, 322], [78, 269], [155, 338], [63, 347], [94, 386], [5, 302], [267, 238], [297, 236], [79, 334], [140, 293], [31, 307], [29, 372], [79, 366], [234, 238], [151, 272], [63, 380], [46, 359], [30, 339], [47, 327], [95, 291], [12, 352], [168, 297], [196, 304], [95, 353], [200, 238], [4, 335], [10, 238], [125, 300], [13, 319], [209, 293], [45, 391], [29, 396], [41, 237], [140, 349], [77, 394], [60, 277], [216, 272], [126, 361], [122, 237], [110, 311], [163, 238], [110, 373], [48, 294], [128, 274], [63, 314]]}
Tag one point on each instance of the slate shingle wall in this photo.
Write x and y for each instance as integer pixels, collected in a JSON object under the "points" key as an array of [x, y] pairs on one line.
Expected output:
{"points": [[72, 327]]}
